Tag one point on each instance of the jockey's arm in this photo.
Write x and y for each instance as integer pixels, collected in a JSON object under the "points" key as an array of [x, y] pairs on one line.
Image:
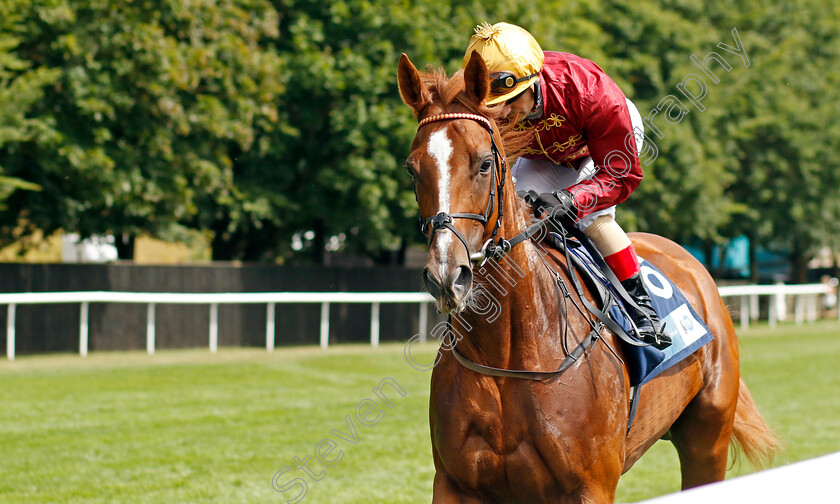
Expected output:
{"points": [[609, 133]]}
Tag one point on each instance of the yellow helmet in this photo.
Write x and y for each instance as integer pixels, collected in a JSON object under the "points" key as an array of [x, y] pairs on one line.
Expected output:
{"points": [[513, 57]]}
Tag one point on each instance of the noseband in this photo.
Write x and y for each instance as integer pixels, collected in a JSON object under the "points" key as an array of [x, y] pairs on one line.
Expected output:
{"points": [[444, 220]]}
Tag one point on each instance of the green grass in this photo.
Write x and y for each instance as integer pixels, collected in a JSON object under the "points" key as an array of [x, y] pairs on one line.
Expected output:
{"points": [[188, 426]]}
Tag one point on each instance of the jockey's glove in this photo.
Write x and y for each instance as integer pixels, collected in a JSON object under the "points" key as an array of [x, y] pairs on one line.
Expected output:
{"points": [[560, 207]]}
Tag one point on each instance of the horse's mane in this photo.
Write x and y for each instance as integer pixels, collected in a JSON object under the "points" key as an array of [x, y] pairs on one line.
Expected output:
{"points": [[447, 91]]}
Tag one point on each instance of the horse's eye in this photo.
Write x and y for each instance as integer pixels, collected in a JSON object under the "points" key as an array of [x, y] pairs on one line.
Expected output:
{"points": [[409, 171], [486, 165]]}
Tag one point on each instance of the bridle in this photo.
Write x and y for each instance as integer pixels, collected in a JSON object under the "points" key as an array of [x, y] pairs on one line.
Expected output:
{"points": [[498, 249], [491, 248], [444, 220]]}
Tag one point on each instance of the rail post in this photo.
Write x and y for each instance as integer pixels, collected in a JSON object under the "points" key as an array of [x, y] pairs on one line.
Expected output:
{"points": [[745, 313], [325, 324], [150, 329], [10, 332], [799, 310], [424, 321], [269, 327], [374, 324], [83, 329], [214, 327]]}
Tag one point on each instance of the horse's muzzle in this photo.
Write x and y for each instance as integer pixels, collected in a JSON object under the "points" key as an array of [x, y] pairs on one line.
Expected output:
{"points": [[452, 292]]}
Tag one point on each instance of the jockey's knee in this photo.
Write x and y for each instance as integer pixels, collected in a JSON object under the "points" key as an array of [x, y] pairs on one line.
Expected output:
{"points": [[606, 234]]}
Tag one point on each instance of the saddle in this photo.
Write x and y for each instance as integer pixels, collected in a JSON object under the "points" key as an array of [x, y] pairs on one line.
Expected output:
{"points": [[608, 300], [685, 328]]}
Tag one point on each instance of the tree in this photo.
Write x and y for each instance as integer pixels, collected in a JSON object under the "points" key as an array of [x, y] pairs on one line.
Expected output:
{"points": [[275, 126], [21, 86], [336, 176], [153, 102], [782, 131]]}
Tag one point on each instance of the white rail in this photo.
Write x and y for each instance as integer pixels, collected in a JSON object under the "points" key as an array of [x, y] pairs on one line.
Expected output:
{"points": [[270, 299], [806, 300], [806, 296]]}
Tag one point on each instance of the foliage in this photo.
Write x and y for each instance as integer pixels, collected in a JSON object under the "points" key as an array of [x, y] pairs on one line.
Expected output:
{"points": [[782, 132], [153, 102], [21, 86], [275, 126]]}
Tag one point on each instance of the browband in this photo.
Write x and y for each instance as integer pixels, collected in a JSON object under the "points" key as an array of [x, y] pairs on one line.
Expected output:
{"points": [[457, 115]]}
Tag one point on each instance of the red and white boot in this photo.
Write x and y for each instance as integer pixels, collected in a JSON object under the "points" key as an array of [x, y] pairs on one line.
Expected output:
{"points": [[625, 265]]}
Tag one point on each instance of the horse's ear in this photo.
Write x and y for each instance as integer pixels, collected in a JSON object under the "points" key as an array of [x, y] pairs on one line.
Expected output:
{"points": [[414, 93], [476, 78]]}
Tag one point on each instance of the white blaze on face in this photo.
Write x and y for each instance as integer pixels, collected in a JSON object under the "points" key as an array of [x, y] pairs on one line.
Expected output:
{"points": [[440, 148]]}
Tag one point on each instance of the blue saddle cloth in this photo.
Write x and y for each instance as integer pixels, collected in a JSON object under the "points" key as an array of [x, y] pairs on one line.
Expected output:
{"points": [[682, 324]]}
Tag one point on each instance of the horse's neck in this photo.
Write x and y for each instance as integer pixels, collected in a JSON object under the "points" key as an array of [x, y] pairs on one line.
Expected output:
{"points": [[512, 321]]}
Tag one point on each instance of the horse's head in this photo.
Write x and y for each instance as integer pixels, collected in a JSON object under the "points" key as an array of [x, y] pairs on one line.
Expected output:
{"points": [[458, 170]]}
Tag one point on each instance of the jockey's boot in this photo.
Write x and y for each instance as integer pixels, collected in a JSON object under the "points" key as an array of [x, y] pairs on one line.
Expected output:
{"points": [[646, 319]]}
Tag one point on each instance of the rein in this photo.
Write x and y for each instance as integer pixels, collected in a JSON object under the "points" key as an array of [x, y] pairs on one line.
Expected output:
{"points": [[570, 359], [499, 249], [496, 250]]}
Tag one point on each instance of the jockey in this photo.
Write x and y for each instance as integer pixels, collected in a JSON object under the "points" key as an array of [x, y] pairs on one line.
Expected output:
{"points": [[584, 157]]}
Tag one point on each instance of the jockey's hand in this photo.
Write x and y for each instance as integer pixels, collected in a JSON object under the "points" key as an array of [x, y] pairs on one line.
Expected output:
{"points": [[559, 205]]}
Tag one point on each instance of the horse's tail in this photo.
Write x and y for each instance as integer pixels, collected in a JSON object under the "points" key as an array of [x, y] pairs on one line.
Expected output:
{"points": [[752, 435]]}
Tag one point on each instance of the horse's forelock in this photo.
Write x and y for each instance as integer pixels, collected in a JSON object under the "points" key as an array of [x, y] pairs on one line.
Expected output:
{"points": [[447, 91]]}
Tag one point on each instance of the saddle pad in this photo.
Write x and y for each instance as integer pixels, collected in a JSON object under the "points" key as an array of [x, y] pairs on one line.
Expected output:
{"points": [[682, 324]]}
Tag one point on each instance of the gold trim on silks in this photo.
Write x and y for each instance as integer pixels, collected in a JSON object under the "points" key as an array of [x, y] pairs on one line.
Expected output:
{"points": [[555, 148], [552, 151], [552, 121]]}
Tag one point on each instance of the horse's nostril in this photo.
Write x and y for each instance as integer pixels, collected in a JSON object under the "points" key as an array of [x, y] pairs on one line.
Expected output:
{"points": [[462, 281], [432, 284]]}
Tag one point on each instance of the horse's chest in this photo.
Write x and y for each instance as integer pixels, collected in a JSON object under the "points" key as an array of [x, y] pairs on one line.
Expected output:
{"points": [[493, 435], [525, 438]]}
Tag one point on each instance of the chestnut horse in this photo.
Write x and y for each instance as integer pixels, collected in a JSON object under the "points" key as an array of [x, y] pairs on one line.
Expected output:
{"points": [[564, 439]]}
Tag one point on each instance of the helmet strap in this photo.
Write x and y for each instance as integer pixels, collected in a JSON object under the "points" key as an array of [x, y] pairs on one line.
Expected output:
{"points": [[536, 112]]}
